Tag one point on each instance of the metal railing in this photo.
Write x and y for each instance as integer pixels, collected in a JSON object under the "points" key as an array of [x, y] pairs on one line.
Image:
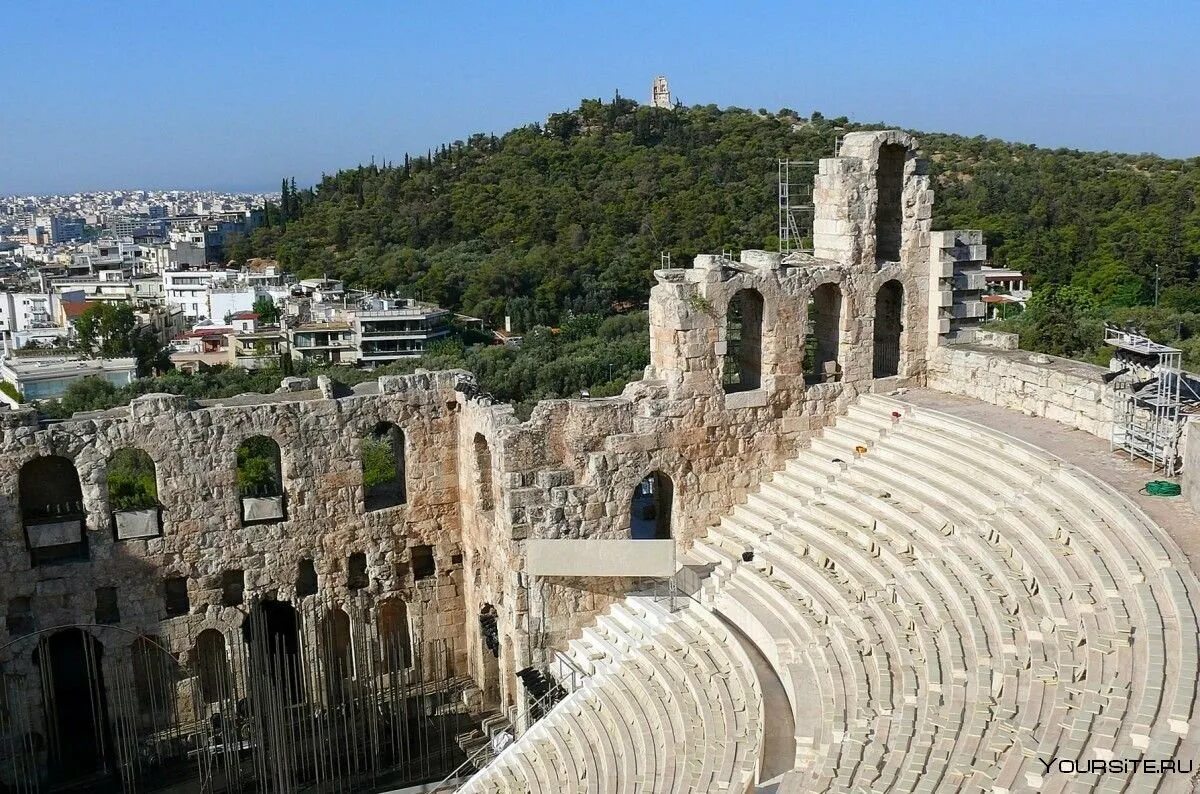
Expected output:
{"points": [[450, 781]]}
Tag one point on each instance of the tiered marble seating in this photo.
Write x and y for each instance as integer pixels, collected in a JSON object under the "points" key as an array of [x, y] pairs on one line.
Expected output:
{"points": [[943, 610], [670, 703], [965, 604]]}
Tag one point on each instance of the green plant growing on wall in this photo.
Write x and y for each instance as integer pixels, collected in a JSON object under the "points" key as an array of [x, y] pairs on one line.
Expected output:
{"points": [[131, 481], [258, 472]]}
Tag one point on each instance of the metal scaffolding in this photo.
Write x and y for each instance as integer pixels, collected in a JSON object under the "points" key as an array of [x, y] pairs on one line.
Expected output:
{"points": [[1146, 403], [795, 206]]}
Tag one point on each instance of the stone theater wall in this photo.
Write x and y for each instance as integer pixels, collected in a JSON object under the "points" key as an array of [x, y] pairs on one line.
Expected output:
{"points": [[749, 358], [203, 539]]}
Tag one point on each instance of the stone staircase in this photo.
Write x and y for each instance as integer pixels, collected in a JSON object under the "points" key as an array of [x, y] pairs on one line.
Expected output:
{"points": [[944, 605]]}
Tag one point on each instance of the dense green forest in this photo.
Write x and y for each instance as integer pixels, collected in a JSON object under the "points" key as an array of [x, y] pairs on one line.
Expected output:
{"points": [[570, 216]]}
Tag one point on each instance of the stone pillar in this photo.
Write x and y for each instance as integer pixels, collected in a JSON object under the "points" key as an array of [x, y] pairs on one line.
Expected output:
{"points": [[956, 285]]}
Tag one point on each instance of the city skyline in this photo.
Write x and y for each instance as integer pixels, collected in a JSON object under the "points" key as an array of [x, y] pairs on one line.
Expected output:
{"points": [[264, 92]]}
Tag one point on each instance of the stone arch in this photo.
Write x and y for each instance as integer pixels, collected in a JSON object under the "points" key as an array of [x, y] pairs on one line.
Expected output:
{"points": [[821, 347], [52, 510], [650, 507], [212, 666], [395, 635], [153, 682], [743, 341], [383, 465], [889, 207], [483, 470], [133, 493], [889, 329], [75, 703], [337, 652], [260, 480]]}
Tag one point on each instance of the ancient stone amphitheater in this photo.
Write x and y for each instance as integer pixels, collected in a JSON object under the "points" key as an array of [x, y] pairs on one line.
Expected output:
{"points": [[838, 538]]}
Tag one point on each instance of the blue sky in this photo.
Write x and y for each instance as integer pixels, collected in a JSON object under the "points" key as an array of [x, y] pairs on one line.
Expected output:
{"points": [[234, 95]]}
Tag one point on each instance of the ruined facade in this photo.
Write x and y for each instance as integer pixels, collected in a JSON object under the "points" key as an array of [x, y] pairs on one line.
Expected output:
{"points": [[749, 359]]}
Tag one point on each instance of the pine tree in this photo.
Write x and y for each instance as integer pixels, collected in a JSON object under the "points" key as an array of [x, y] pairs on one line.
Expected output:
{"points": [[284, 202]]}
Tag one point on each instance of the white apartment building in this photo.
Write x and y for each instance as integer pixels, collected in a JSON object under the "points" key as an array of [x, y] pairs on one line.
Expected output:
{"points": [[114, 286], [24, 312], [173, 255], [188, 289], [225, 301], [216, 293]]}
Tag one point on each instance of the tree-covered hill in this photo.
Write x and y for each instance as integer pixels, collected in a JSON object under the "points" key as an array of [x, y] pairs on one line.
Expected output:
{"points": [[571, 215]]}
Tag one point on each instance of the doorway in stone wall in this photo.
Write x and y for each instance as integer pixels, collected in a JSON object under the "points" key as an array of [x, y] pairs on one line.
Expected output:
{"points": [[272, 631], [889, 329], [70, 665], [650, 508], [489, 653]]}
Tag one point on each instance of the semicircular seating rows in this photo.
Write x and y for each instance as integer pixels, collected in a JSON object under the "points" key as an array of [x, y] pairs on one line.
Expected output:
{"points": [[948, 611]]}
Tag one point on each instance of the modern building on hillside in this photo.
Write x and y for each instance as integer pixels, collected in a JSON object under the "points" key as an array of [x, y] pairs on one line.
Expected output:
{"points": [[257, 348], [203, 346], [390, 329], [213, 230], [1007, 291], [328, 343], [44, 378]]}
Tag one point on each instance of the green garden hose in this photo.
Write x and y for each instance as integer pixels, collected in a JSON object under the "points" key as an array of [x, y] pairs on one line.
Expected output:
{"points": [[1162, 488]]}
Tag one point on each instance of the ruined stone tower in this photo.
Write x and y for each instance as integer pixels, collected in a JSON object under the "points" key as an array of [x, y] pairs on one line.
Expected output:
{"points": [[660, 93]]}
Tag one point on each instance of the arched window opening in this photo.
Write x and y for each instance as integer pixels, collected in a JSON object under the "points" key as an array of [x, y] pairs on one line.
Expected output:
{"points": [[650, 508], [306, 578], [395, 635], [889, 327], [153, 682], [213, 667], [743, 341], [824, 335], [75, 704], [52, 510], [383, 467], [483, 469], [889, 211], [133, 494], [260, 480], [337, 657]]}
